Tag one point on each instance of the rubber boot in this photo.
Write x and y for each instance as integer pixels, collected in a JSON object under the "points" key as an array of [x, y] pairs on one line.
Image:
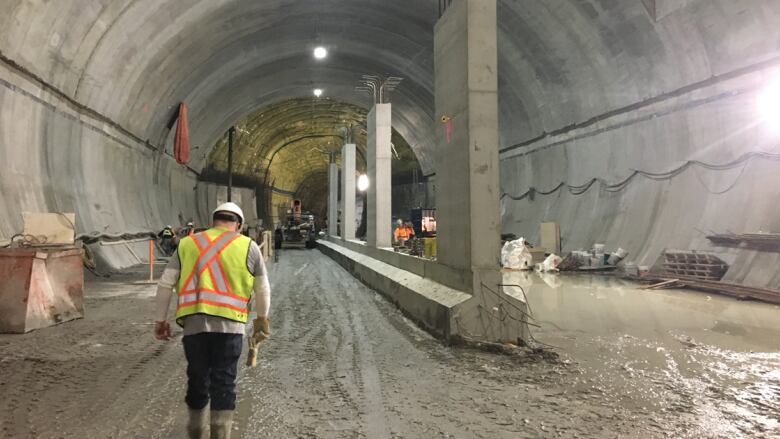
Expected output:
{"points": [[221, 424], [197, 426]]}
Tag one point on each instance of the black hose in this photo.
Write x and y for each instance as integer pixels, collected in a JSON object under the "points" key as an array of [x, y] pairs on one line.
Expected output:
{"points": [[662, 176]]}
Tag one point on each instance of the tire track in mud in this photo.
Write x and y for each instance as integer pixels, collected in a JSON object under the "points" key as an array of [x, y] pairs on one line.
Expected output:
{"points": [[301, 361], [69, 380]]}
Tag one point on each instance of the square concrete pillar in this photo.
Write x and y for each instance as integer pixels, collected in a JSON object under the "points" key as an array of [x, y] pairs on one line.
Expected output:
{"points": [[379, 232], [467, 197], [333, 198], [348, 191], [467, 192]]}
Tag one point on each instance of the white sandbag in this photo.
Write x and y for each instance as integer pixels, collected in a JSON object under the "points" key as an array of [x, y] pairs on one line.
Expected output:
{"points": [[515, 255], [550, 263]]}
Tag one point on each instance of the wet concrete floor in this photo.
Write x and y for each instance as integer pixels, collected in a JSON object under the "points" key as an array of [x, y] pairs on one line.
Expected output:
{"points": [[712, 361], [344, 363]]}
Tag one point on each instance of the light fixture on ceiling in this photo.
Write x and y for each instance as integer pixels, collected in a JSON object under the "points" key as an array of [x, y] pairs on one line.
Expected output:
{"points": [[769, 103], [320, 52], [363, 183], [318, 92]]}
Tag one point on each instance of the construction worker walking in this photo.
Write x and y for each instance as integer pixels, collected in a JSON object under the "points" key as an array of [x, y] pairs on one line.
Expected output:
{"points": [[166, 236], [214, 273]]}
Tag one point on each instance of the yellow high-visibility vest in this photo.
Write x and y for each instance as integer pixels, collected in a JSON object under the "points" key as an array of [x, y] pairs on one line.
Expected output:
{"points": [[214, 278]]}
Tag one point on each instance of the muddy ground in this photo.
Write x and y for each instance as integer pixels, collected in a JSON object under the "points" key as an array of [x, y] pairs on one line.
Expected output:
{"points": [[344, 363]]}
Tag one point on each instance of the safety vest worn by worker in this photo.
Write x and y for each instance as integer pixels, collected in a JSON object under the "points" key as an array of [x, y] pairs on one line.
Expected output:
{"points": [[214, 278], [403, 233]]}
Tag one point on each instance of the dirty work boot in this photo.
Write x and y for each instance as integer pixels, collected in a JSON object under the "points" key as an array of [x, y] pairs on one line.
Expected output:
{"points": [[221, 424], [198, 423]]}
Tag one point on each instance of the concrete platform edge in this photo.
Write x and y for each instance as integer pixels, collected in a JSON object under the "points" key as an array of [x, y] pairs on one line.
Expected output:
{"points": [[429, 304]]}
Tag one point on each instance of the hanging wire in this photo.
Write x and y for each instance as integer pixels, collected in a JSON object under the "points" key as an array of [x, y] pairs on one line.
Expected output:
{"points": [[662, 176]]}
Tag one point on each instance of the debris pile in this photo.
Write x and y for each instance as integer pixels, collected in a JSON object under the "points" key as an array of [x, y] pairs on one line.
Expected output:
{"points": [[595, 259]]}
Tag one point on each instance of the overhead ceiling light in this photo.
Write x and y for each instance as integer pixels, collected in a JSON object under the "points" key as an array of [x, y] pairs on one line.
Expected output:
{"points": [[769, 103], [320, 52], [362, 183], [318, 92]]}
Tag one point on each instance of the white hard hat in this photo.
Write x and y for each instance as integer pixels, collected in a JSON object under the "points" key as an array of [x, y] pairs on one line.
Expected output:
{"points": [[232, 208]]}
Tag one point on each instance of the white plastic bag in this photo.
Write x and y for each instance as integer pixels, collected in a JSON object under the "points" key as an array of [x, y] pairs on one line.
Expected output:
{"points": [[551, 263], [515, 255]]}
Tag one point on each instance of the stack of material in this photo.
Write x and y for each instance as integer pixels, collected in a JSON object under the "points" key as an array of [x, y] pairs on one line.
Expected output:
{"points": [[597, 259], [691, 264], [763, 241], [416, 247]]}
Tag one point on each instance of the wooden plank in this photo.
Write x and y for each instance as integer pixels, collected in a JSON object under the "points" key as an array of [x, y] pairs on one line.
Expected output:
{"points": [[660, 284]]}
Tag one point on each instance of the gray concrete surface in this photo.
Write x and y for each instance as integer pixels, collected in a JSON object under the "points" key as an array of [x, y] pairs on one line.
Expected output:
{"points": [[333, 199], [442, 300], [586, 89], [465, 57], [342, 363], [379, 166], [348, 189]]}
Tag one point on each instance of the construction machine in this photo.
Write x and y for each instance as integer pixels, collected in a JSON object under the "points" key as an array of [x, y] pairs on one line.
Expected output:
{"points": [[297, 229]]}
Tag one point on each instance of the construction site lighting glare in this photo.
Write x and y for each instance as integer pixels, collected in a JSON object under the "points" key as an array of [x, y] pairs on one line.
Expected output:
{"points": [[769, 103], [363, 183], [320, 53], [318, 92]]}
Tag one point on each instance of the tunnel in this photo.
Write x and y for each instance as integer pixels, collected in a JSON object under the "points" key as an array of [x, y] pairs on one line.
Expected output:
{"points": [[647, 127]]}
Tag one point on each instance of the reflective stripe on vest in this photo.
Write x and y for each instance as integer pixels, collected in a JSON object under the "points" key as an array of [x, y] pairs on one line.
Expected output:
{"points": [[204, 287]]}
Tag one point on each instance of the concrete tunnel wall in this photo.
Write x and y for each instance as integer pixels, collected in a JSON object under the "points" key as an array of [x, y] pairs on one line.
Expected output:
{"points": [[58, 161], [682, 88], [621, 85]]}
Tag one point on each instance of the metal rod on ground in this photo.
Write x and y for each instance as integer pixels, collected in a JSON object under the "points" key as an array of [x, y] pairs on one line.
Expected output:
{"points": [[130, 249], [231, 134]]}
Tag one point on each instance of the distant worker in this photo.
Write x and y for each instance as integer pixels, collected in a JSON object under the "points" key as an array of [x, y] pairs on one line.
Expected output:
{"points": [[187, 231], [214, 273], [410, 229], [166, 236], [403, 232]]}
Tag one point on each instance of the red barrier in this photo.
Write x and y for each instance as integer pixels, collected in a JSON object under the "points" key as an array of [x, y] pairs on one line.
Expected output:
{"points": [[40, 288], [181, 142]]}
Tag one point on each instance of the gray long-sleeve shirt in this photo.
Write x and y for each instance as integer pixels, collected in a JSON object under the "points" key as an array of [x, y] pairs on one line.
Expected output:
{"points": [[198, 323]]}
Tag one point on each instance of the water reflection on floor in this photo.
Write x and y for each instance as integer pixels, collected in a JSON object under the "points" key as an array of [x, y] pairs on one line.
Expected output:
{"points": [[711, 362]]}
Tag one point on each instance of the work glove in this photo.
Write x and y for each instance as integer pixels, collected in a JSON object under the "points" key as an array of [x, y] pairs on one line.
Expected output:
{"points": [[162, 331], [260, 331]]}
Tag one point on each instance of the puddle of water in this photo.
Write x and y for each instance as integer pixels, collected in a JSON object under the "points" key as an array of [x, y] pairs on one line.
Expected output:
{"points": [[711, 363], [600, 305]]}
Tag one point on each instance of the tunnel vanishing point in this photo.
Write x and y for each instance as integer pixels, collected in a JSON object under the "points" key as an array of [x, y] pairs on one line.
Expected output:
{"points": [[646, 125]]}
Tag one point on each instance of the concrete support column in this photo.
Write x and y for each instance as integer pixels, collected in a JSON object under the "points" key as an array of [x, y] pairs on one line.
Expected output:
{"points": [[333, 198], [467, 198], [467, 169], [348, 191], [380, 205]]}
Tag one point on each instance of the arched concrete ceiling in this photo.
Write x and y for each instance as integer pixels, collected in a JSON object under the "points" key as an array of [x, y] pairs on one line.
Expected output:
{"points": [[287, 145], [133, 60], [560, 61]]}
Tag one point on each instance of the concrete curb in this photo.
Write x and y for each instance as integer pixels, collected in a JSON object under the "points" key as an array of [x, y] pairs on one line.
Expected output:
{"points": [[429, 304]]}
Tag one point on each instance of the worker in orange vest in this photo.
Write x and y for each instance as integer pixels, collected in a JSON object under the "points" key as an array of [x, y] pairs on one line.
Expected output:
{"points": [[403, 232]]}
